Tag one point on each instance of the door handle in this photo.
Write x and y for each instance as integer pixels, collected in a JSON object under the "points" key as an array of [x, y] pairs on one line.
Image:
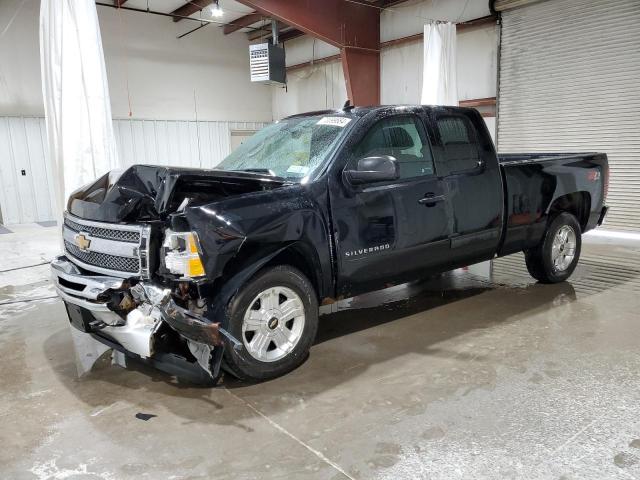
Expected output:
{"points": [[430, 199]]}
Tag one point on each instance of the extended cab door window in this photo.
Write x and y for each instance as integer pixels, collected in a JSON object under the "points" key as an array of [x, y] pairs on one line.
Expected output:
{"points": [[403, 138], [459, 143]]}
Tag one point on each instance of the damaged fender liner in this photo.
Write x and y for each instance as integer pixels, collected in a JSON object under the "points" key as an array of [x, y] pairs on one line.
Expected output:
{"points": [[196, 328], [169, 363], [192, 327]]}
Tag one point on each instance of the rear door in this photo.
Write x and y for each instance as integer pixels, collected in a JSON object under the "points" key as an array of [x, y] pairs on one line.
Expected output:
{"points": [[390, 232], [466, 158]]}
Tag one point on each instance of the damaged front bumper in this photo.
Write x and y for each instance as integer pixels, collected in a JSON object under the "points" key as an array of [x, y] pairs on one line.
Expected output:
{"points": [[93, 308]]}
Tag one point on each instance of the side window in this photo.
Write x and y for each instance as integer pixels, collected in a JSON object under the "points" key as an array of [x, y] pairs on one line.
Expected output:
{"points": [[459, 142], [403, 138]]}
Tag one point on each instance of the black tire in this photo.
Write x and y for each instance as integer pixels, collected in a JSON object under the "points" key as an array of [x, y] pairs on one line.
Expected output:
{"points": [[242, 364], [540, 259]]}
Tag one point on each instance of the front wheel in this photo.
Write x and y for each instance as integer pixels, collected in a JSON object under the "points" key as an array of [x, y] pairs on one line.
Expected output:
{"points": [[555, 259], [275, 316]]}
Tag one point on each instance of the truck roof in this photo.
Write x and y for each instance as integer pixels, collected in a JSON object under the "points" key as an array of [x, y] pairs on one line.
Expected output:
{"points": [[350, 111]]}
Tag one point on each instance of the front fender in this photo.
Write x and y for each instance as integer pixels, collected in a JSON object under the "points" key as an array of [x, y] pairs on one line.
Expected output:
{"points": [[231, 285], [249, 229]]}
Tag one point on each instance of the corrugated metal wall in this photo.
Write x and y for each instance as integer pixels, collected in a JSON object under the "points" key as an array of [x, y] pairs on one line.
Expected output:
{"points": [[177, 143], [25, 173], [569, 81], [23, 147]]}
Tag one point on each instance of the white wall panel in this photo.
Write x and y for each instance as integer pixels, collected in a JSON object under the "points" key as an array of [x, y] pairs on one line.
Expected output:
{"points": [[408, 18], [9, 200], [26, 198], [311, 88], [306, 48], [476, 54], [401, 73], [149, 69]]}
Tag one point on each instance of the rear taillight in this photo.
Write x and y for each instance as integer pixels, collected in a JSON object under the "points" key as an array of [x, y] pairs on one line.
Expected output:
{"points": [[605, 172]]}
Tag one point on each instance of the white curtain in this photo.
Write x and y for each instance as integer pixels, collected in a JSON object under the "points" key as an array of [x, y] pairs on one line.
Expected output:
{"points": [[439, 82], [76, 95]]}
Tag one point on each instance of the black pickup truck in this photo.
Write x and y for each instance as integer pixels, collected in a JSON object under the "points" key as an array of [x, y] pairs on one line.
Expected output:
{"points": [[193, 270]]}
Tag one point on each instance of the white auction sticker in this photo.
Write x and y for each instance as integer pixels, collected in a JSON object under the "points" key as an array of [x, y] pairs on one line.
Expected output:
{"points": [[334, 121]]}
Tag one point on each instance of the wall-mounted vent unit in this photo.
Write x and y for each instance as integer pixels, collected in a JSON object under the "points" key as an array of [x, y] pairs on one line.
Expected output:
{"points": [[266, 62]]}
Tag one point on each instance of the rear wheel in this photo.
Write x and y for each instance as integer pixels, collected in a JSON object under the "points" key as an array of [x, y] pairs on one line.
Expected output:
{"points": [[275, 316], [555, 259]]}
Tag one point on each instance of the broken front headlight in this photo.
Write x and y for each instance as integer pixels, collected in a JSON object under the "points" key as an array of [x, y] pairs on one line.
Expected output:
{"points": [[182, 254]]}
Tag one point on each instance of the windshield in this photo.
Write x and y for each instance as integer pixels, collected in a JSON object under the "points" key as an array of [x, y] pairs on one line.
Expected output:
{"points": [[291, 148]]}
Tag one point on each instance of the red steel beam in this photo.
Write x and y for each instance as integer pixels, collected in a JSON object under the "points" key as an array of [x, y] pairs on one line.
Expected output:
{"points": [[478, 102], [242, 22], [460, 27], [190, 8], [391, 3], [352, 26], [320, 61], [290, 34], [362, 73], [338, 22], [265, 33]]}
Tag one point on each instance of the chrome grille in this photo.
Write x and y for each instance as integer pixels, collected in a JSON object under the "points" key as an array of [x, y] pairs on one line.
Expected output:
{"points": [[100, 232], [103, 260], [107, 248]]}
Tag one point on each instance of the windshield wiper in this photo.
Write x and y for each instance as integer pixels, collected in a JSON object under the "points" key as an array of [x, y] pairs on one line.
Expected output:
{"points": [[262, 172], [266, 171]]}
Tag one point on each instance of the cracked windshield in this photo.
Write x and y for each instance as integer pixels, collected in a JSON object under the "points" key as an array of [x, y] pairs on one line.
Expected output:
{"points": [[291, 149]]}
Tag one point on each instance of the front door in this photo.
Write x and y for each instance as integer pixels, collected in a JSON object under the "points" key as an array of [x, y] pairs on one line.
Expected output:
{"points": [[390, 232]]}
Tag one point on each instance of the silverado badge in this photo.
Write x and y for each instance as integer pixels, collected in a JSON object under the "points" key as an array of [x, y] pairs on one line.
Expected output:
{"points": [[82, 242]]}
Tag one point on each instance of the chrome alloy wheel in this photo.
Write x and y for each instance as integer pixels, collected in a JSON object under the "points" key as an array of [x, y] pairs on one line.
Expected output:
{"points": [[273, 324], [563, 249]]}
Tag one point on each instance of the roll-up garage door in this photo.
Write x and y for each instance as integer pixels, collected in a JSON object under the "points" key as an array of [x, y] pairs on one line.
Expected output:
{"points": [[570, 81]]}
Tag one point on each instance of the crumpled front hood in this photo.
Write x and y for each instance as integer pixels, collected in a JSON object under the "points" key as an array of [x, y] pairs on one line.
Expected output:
{"points": [[147, 192]]}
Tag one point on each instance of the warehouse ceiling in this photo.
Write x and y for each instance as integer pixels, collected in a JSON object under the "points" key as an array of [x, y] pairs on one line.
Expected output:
{"points": [[329, 20], [236, 16], [255, 26]]}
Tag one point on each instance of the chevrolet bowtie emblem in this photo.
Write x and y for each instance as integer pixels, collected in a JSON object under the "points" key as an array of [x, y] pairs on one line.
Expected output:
{"points": [[82, 242]]}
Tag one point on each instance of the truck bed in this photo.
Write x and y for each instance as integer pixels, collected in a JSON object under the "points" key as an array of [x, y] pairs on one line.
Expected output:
{"points": [[536, 183]]}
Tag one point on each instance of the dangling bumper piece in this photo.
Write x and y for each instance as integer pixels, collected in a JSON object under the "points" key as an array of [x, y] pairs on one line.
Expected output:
{"points": [[132, 324]]}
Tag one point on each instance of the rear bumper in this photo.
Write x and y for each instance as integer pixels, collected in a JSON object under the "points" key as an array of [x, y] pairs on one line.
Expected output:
{"points": [[89, 300]]}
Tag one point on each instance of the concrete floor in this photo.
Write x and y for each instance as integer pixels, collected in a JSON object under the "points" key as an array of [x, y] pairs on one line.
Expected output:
{"points": [[457, 377]]}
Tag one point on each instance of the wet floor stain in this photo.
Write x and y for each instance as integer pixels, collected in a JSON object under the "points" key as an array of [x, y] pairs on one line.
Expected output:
{"points": [[536, 378], [386, 455], [433, 433], [624, 460]]}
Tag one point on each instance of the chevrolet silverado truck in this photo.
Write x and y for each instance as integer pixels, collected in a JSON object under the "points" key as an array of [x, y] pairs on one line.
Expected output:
{"points": [[197, 271]]}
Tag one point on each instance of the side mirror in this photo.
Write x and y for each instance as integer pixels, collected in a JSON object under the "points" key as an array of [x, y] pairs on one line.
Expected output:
{"points": [[379, 168]]}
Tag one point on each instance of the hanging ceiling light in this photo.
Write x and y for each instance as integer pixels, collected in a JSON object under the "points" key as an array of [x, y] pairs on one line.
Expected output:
{"points": [[216, 11]]}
